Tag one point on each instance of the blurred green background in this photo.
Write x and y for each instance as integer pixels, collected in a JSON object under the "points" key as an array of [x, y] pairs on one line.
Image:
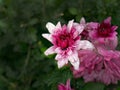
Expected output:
{"points": [[23, 65]]}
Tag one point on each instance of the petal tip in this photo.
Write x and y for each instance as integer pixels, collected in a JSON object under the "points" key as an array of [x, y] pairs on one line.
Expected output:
{"points": [[50, 27], [82, 21]]}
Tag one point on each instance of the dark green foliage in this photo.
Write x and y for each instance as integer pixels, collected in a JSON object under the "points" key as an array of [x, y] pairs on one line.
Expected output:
{"points": [[23, 65]]}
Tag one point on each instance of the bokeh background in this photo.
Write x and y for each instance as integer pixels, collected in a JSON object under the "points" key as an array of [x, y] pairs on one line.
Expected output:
{"points": [[23, 65]]}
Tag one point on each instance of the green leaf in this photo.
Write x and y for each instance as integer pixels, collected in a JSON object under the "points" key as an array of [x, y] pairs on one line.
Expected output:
{"points": [[93, 86]]}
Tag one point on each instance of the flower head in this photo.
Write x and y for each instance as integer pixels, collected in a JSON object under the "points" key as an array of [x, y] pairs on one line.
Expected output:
{"points": [[102, 66], [66, 42], [65, 87], [103, 63], [104, 31]]}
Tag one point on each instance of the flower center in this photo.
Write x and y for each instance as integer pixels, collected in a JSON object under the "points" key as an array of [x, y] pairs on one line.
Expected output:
{"points": [[104, 30], [64, 41]]}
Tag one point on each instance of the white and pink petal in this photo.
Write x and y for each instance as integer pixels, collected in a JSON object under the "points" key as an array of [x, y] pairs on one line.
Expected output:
{"points": [[70, 25], [82, 21], [58, 50], [61, 63], [58, 57], [74, 60], [50, 50], [85, 44], [58, 26], [79, 28], [47, 36], [50, 27]]}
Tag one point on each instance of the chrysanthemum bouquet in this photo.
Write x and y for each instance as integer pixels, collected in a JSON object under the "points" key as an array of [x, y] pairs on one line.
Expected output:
{"points": [[88, 47]]}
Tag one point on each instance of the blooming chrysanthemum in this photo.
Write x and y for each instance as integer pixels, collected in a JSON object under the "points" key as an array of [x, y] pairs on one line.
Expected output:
{"points": [[65, 87], [103, 35], [103, 63], [103, 31], [101, 66], [66, 42]]}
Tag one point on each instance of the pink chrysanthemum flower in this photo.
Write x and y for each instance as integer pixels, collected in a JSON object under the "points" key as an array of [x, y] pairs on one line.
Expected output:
{"points": [[103, 63], [65, 87], [101, 66], [87, 29], [66, 42], [103, 31]]}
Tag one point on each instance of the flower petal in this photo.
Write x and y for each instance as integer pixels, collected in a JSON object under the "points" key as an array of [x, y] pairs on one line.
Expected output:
{"points": [[58, 26], [68, 84], [69, 52], [93, 25], [113, 43], [58, 50], [79, 28], [84, 44], [58, 57], [75, 34], [108, 20], [50, 27], [65, 87], [61, 63], [76, 65], [76, 24], [47, 36], [61, 87], [74, 60], [108, 54], [114, 28], [70, 24], [82, 21], [50, 50]]}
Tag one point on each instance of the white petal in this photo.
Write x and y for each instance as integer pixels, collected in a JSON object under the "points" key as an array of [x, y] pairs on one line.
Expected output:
{"points": [[61, 63], [77, 44], [70, 24], [58, 57], [79, 28], [82, 21], [50, 27], [76, 65], [47, 36], [73, 57], [74, 60], [50, 50], [69, 52], [76, 24], [58, 50], [58, 26], [84, 44], [75, 34]]}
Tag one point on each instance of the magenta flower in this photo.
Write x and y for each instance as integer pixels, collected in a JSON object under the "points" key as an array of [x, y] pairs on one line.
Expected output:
{"points": [[103, 31], [103, 63], [65, 87], [66, 42], [87, 29], [101, 66]]}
